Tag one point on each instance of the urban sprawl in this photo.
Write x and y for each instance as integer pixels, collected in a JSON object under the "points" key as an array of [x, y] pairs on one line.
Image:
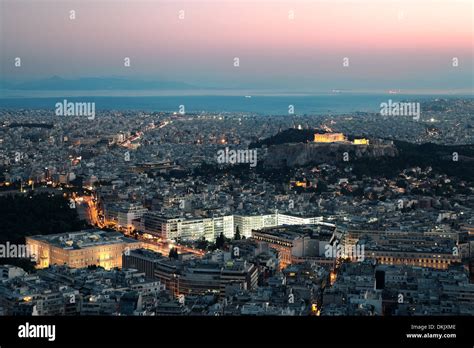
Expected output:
{"points": [[243, 214]]}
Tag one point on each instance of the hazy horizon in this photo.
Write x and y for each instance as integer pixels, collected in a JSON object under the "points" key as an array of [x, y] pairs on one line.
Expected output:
{"points": [[289, 47]]}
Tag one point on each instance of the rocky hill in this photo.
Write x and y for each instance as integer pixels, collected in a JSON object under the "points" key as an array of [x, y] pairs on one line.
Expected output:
{"points": [[301, 154]]}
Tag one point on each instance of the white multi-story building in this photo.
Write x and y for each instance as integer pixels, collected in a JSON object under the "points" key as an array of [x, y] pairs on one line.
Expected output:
{"points": [[248, 223], [172, 228], [196, 229], [224, 225], [124, 214], [255, 222], [132, 212], [284, 219], [158, 225]]}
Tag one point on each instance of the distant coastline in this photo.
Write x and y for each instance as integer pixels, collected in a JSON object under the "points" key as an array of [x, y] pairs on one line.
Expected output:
{"points": [[268, 105]]}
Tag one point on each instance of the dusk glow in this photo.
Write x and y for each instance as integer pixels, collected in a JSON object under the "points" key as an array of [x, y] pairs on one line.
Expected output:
{"points": [[390, 44]]}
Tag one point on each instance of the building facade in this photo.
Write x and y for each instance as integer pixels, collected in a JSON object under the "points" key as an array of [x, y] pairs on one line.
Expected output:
{"points": [[81, 249]]}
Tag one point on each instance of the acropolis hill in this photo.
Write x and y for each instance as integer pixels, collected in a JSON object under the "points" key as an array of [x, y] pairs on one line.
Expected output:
{"points": [[327, 148]]}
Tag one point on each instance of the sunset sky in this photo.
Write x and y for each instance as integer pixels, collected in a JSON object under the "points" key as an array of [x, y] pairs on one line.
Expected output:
{"points": [[407, 44]]}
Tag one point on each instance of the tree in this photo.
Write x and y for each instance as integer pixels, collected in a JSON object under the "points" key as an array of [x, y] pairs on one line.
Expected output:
{"points": [[173, 253], [237, 233], [202, 244], [402, 183], [220, 241]]}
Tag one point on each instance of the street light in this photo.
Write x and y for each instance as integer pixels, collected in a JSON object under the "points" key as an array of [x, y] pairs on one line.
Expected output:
{"points": [[176, 276]]}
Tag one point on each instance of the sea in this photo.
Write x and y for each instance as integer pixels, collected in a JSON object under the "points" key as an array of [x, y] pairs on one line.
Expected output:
{"points": [[251, 104]]}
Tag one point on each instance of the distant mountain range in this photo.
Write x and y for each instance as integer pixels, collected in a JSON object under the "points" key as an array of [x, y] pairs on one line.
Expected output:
{"points": [[95, 83]]}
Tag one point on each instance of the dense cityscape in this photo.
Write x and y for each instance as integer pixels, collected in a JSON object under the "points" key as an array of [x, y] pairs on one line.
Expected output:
{"points": [[175, 213]]}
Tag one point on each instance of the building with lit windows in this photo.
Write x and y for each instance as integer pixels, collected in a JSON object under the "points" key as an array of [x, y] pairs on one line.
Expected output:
{"points": [[81, 249], [160, 225], [195, 229], [122, 214], [285, 219], [429, 249], [224, 225], [254, 222], [290, 242], [420, 257], [249, 223], [173, 227]]}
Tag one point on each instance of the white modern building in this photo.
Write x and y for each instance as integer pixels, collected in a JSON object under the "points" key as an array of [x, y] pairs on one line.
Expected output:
{"points": [[173, 227]]}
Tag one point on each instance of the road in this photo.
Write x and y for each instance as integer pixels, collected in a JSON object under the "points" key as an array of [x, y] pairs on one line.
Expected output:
{"points": [[161, 247]]}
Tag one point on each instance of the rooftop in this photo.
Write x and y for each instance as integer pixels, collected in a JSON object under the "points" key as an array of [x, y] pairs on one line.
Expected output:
{"points": [[83, 239]]}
